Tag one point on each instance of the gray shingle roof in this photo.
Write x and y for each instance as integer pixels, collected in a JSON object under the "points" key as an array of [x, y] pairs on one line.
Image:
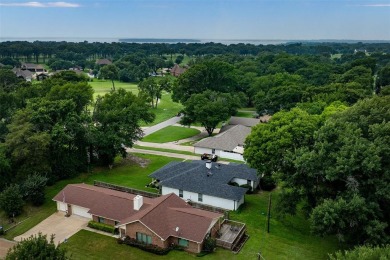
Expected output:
{"points": [[195, 177], [227, 140]]}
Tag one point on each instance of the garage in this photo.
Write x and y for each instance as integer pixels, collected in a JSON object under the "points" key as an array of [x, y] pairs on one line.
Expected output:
{"points": [[80, 211], [61, 206]]}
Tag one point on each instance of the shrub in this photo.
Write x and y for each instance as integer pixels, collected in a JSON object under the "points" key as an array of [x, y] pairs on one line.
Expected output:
{"points": [[267, 183], [234, 184], [148, 248], [11, 200], [209, 244], [249, 187], [101, 226]]}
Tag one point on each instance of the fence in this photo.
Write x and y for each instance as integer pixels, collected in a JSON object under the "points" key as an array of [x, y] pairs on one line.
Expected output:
{"points": [[209, 208], [125, 189]]}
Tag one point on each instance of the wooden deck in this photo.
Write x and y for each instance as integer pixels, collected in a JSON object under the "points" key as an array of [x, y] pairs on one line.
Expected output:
{"points": [[231, 232]]}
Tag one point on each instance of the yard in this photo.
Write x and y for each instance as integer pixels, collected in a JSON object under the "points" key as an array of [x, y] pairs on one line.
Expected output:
{"points": [[170, 134], [289, 238]]}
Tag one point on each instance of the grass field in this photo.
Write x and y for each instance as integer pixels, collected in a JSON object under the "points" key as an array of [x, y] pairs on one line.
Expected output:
{"points": [[174, 56], [124, 173], [244, 114], [165, 109], [163, 150], [170, 134]]}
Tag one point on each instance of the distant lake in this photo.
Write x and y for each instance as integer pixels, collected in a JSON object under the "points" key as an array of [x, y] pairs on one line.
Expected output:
{"points": [[172, 41]]}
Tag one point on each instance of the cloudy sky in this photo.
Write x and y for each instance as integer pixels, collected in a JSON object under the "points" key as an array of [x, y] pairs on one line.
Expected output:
{"points": [[199, 19]]}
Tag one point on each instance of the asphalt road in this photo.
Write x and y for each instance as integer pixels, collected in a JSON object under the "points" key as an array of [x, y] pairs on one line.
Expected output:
{"points": [[155, 128]]}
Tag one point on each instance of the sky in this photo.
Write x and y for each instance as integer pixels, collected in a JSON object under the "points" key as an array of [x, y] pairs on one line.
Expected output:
{"points": [[197, 19]]}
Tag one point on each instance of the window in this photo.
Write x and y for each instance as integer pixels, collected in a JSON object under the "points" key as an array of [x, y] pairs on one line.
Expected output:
{"points": [[101, 220], [200, 197], [141, 237], [116, 223], [183, 242], [213, 151], [181, 193], [248, 182]]}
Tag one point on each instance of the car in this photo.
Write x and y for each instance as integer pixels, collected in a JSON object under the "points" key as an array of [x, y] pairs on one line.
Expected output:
{"points": [[207, 156]]}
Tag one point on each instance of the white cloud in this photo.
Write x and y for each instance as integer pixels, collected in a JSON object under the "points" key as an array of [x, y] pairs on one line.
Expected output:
{"points": [[42, 4]]}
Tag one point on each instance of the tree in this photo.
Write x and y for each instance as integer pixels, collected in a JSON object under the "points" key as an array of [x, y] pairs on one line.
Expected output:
{"points": [[209, 108], [34, 189], [37, 247], [363, 253], [216, 76], [153, 87], [11, 200], [116, 120], [110, 72]]}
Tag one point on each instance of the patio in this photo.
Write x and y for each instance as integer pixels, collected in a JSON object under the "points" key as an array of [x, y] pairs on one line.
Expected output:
{"points": [[230, 234]]}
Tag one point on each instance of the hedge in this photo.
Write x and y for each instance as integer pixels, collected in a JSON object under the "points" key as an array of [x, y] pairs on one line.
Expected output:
{"points": [[101, 226], [148, 248]]}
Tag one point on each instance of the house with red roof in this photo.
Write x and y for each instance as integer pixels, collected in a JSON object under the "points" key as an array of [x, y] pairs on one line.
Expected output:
{"points": [[163, 221]]}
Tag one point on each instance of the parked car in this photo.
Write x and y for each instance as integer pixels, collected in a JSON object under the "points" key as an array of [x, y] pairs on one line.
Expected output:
{"points": [[207, 156]]}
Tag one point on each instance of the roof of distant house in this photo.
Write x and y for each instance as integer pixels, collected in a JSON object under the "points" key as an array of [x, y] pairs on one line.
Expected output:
{"points": [[170, 212], [31, 66], [227, 140], [196, 177], [103, 62], [26, 74], [177, 70]]}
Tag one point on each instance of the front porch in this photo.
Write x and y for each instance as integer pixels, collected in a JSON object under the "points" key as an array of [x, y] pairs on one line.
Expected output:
{"points": [[231, 235]]}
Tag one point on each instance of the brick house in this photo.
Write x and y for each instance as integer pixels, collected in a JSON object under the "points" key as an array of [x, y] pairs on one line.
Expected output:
{"points": [[161, 221], [176, 71]]}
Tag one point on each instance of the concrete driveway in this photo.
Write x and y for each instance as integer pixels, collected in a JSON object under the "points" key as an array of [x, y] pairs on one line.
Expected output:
{"points": [[5, 245], [59, 225]]}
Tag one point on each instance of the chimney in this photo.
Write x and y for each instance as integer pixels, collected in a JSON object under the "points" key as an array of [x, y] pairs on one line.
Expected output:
{"points": [[138, 202], [208, 165]]}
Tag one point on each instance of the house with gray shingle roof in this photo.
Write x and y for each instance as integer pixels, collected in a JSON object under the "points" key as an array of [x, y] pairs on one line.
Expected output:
{"points": [[213, 184], [228, 144]]}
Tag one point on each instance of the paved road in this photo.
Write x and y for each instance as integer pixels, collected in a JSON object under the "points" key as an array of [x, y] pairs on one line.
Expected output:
{"points": [[155, 128], [171, 145], [4, 246], [166, 154]]}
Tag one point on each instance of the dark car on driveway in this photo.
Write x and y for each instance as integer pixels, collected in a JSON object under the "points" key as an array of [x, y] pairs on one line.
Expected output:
{"points": [[207, 156]]}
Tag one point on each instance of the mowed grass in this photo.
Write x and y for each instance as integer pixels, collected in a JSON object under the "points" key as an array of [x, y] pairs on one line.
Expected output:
{"points": [[170, 134], [125, 173], [244, 114], [165, 109], [289, 238]]}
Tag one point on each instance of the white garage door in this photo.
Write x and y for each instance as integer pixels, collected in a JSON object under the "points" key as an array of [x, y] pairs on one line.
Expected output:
{"points": [[62, 206], [80, 211]]}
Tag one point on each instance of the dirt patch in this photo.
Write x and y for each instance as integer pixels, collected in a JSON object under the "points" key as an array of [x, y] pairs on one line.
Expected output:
{"points": [[132, 159]]}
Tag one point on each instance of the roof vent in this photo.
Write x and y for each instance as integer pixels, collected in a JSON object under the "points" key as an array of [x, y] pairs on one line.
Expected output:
{"points": [[209, 164]]}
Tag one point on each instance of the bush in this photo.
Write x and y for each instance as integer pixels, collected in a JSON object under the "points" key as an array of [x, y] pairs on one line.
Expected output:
{"points": [[234, 184], [101, 227], [247, 186], [148, 248], [11, 200], [209, 244], [267, 183]]}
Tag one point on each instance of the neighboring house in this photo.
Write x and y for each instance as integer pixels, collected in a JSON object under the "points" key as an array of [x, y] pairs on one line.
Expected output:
{"points": [[176, 71], [214, 185], [234, 120], [161, 221], [103, 62], [41, 76], [32, 67], [228, 144], [23, 74]]}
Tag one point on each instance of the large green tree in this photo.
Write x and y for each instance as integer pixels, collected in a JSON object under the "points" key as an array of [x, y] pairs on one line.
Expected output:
{"points": [[209, 108], [153, 87], [116, 123], [110, 72]]}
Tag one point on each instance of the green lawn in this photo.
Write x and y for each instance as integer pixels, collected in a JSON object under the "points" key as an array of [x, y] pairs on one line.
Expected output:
{"points": [[102, 87], [163, 150], [244, 114], [170, 134], [124, 173], [288, 239], [165, 109]]}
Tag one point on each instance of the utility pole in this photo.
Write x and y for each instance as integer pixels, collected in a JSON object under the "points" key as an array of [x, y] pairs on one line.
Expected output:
{"points": [[269, 212]]}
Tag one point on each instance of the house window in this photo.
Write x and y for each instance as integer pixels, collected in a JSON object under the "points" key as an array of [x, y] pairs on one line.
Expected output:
{"points": [[116, 223], [141, 237], [101, 220], [183, 242], [181, 193], [248, 182], [200, 197]]}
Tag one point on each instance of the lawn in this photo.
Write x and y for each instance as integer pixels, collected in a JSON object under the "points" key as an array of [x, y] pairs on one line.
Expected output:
{"points": [[126, 173], [170, 134], [163, 150], [244, 114], [165, 109], [289, 238]]}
